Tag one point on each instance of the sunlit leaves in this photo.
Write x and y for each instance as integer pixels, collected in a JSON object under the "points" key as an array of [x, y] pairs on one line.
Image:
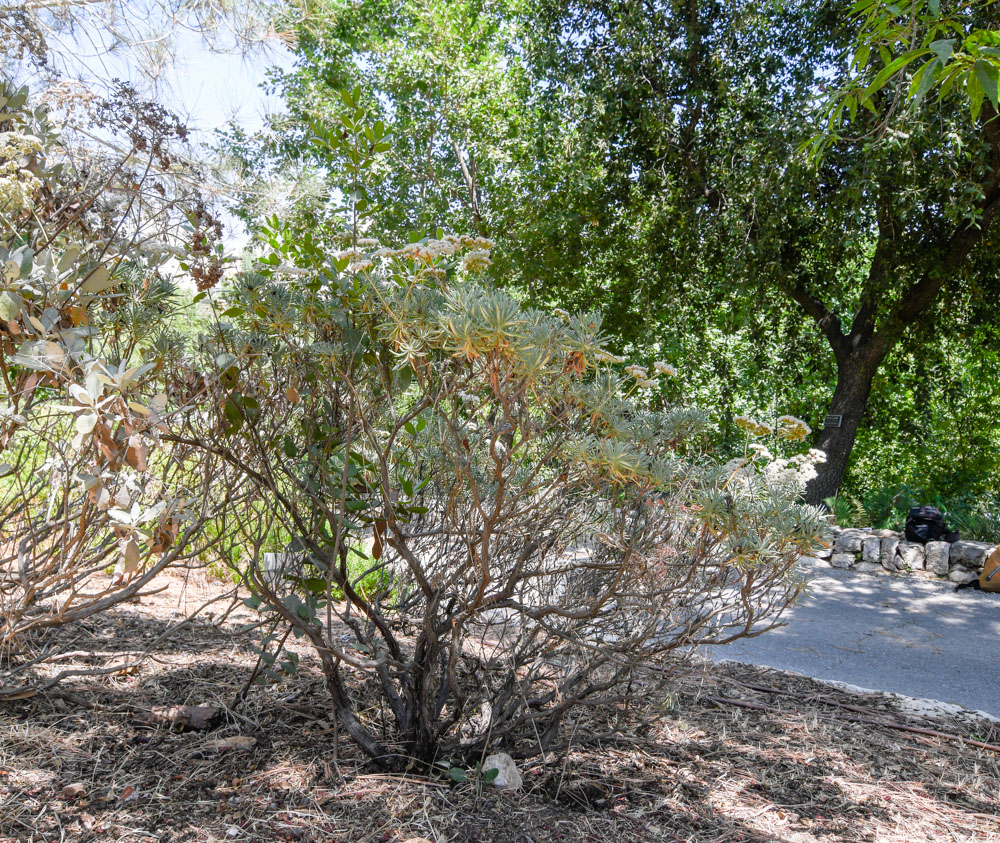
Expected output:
{"points": [[903, 53]]}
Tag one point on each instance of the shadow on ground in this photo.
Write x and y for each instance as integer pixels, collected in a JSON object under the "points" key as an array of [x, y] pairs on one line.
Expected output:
{"points": [[790, 770]]}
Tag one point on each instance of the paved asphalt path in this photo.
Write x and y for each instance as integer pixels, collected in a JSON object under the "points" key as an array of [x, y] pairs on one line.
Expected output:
{"points": [[902, 634]]}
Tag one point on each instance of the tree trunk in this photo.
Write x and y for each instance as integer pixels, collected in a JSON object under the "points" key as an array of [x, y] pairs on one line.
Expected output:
{"points": [[855, 374]]}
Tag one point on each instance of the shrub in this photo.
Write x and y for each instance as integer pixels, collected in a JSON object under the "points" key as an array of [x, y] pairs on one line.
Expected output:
{"points": [[542, 541], [886, 507], [89, 482], [977, 519]]}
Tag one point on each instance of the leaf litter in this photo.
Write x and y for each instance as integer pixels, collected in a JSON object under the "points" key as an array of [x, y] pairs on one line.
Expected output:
{"points": [[744, 754]]}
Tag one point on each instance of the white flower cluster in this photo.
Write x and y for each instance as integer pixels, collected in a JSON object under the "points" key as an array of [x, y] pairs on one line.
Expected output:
{"points": [[643, 377], [17, 184], [796, 472]]}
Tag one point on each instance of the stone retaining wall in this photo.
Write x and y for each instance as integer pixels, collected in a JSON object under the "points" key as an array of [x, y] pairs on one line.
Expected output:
{"points": [[871, 551]]}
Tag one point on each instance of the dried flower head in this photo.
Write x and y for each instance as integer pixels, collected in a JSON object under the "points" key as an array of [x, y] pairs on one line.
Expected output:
{"points": [[640, 373], [793, 429]]}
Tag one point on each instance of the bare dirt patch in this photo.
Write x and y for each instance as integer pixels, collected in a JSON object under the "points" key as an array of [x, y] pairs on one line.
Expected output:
{"points": [[743, 755]]}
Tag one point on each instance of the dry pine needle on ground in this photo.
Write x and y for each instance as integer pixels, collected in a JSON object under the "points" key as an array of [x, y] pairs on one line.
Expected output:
{"points": [[745, 755]]}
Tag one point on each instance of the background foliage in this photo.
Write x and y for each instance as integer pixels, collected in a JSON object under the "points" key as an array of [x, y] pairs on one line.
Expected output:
{"points": [[652, 162]]}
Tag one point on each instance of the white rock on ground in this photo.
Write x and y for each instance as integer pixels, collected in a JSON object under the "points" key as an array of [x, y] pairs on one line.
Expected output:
{"points": [[508, 777]]}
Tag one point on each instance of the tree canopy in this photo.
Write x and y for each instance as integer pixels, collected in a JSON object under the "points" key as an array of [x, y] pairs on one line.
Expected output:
{"points": [[781, 198]]}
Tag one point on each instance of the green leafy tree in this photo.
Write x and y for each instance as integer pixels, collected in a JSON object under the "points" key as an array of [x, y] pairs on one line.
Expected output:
{"points": [[444, 82], [890, 228], [654, 161]]}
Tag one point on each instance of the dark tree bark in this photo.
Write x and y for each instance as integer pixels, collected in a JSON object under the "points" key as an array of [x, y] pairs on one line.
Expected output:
{"points": [[877, 326], [850, 399]]}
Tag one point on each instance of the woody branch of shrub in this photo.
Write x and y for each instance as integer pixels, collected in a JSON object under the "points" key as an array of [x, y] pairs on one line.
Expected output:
{"points": [[464, 506], [537, 540], [94, 504]]}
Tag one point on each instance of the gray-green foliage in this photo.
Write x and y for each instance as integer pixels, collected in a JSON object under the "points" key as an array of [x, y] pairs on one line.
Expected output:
{"points": [[545, 532]]}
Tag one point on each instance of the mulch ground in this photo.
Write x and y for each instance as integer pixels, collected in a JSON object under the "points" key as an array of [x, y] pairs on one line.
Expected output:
{"points": [[744, 754]]}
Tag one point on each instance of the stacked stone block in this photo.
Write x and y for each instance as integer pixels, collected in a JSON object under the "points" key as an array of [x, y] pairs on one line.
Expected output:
{"points": [[871, 551]]}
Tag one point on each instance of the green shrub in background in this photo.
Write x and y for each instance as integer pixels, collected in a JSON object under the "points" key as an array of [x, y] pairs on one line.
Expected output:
{"points": [[976, 517]]}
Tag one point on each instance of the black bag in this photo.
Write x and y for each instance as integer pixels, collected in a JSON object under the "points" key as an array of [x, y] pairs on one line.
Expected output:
{"points": [[926, 524]]}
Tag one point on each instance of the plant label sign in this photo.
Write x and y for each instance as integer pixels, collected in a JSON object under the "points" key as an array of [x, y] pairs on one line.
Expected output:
{"points": [[833, 421]]}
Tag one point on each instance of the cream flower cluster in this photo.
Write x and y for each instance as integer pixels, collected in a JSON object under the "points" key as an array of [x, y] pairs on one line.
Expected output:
{"points": [[793, 429], [787, 427], [429, 251], [17, 184], [752, 427], [477, 257], [641, 373], [637, 372], [367, 250]]}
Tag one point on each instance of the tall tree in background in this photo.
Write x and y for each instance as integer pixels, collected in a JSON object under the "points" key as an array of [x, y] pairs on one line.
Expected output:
{"points": [[446, 82], [648, 158], [934, 188], [866, 241]]}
